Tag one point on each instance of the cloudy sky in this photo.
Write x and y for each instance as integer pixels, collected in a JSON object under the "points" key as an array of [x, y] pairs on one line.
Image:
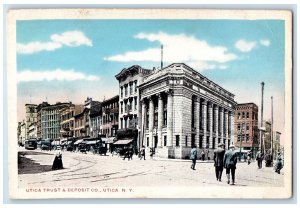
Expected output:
{"points": [[68, 60]]}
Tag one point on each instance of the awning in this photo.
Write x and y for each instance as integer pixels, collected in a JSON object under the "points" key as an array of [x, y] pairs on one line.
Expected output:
{"points": [[91, 142], [110, 140], [78, 141], [123, 141]]}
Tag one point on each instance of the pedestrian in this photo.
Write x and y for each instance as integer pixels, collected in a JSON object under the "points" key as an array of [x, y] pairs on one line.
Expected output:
{"points": [[193, 157], [230, 160], [142, 153], [57, 163], [259, 158], [268, 159], [203, 155], [218, 160], [249, 157], [278, 164]]}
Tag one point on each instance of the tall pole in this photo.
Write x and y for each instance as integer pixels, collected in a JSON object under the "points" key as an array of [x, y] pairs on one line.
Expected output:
{"points": [[161, 56], [272, 126], [262, 115]]}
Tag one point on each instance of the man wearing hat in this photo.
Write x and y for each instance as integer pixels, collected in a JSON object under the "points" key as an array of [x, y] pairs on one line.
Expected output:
{"points": [[218, 160], [230, 160]]}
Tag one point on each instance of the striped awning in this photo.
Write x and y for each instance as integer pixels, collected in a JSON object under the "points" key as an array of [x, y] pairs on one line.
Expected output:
{"points": [[123, 141]]}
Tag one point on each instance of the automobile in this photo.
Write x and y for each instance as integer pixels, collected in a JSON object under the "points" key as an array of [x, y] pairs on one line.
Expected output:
{"points": [[69, 148], [45, 147], [58, 147]]}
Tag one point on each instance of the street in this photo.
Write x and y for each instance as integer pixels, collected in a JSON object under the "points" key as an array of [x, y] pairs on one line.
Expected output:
{"points": [[88, 170]]}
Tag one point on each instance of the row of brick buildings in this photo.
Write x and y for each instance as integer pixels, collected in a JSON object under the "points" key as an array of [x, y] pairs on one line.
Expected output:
{"points": [[168, 110], [67, 120]]}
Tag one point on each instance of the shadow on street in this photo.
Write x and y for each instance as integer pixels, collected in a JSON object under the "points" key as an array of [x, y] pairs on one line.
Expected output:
{"points": [[29, 166]]}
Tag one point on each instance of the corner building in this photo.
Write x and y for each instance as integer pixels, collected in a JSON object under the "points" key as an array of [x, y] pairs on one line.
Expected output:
{"points": [[181, 108]]}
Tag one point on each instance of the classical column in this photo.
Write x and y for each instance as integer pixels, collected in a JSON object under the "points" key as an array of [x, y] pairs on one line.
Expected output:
{"points": [[170, 120], [197, 119], [142, 122], [210, 108], [222, 123], [226, 128], [160, 120], [204, 122], [151, 121], [232, 126], [217, 125]]}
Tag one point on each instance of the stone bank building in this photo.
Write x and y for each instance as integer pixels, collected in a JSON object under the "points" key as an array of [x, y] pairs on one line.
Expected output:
{"points": [[179, 108]]}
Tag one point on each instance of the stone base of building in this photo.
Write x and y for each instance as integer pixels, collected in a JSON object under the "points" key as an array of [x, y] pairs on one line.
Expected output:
{"points": [[182, 153]]}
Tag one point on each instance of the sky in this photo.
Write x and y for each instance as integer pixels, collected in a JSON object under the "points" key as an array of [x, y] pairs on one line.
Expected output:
{"points": [[70, 60]]}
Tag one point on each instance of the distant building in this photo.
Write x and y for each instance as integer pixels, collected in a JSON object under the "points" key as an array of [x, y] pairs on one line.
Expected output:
{"points": [[39, 116], [32, 131], [31, 116], [96, 119], [50, 120], [110, 116], [19, 133], [89, 103], [67, 122], [266, 135], [276, 147], [246, 134], [80, 123], [22, 133]]}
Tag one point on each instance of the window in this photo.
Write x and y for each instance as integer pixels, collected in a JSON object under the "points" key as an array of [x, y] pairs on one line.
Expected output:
{"points": [[243, 115], [126, 92], [247, 115], [135, 86], [214, 142], [165, 141], [147, 141], [247, 127], [247, 138], [186, 141], [121, 107], [165, 117], [155, 119], [130, 105], [147, 121], [239, 138], [201, 142], [193, 112], [239, 115], [193, 140], [177, 140], [130, 88], [121, 92], [135, 103], [239, 127], [125, 123]]}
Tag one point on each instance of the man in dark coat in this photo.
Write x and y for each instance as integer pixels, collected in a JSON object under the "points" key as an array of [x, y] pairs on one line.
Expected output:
{"points": [[259, 158], [218, 160], [193, 157], [230, 160]]}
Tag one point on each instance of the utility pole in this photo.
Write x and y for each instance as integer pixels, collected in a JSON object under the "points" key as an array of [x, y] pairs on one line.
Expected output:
{"points": [[161, 56], [272, 127], [261, 115]]}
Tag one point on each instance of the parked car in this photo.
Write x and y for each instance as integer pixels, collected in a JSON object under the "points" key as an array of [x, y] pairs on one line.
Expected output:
{"points": [[45, 147]]}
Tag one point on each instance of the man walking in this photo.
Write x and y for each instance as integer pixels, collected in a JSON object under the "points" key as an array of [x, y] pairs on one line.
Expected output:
{"points": [[259, 158], [193, 157], [230, 160], [218, 160]]}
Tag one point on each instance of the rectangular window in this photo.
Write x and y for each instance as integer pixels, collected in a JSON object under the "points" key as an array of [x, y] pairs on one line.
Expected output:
{"points": [[121, 107], [243, 115], [126, 90], [135, 103], [147, 121], [165, 117], [200, 141], [130, 88], [239, 115], [165, 141], [121, 92], [147, 141], [177, 140], [186, 141], [193, 112], [247, 138], [155, 119], [193, 140], [247, 127], [125, 123], [247, 115]]}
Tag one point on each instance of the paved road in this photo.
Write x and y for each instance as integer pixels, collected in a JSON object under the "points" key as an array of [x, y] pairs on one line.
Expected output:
{"points": [[87, 170]]}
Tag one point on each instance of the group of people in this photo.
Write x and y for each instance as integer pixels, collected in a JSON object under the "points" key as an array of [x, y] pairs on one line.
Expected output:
{"points": [[222, 160], [228, 160], [269, 161]]}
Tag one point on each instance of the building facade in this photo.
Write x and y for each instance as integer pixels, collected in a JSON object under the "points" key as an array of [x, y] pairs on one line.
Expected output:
{"points": [[50, 120], [22, 132], [32, 131], [96, 120], [176, 108], [246, 134], [38, 123], [89, 103], [181, 108], [277, 147], [266, 135], [80, 123], [129, 105], [110, 116], [31, 116], [67, 123]]}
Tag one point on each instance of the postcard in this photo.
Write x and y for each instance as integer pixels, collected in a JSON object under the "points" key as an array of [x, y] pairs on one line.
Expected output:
{"points": [[149, 103]]}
